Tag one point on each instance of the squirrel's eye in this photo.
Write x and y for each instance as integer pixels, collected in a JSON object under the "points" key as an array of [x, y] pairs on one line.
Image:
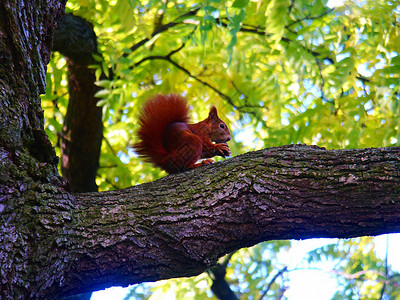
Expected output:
{"points": [[222, 125]]}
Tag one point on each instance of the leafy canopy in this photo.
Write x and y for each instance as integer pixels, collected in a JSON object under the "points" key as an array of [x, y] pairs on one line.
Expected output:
{"points": [[280, 72]]}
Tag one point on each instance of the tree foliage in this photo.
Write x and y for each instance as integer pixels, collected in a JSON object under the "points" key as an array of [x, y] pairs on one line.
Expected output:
{"points": [[280, 72]]}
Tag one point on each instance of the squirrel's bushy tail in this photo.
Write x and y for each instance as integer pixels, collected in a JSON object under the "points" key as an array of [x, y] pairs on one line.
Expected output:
{"points": [[159, 112]]}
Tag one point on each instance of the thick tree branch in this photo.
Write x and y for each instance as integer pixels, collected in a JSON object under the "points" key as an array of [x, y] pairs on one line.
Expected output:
{"points": [[180, 225]]}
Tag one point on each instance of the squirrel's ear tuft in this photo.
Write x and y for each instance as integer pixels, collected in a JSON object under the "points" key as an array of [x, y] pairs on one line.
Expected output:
{"points": [[213, 113]]}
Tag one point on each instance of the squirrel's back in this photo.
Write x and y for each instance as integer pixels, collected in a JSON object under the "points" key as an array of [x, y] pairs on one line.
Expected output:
{"points": [[157, 114]]}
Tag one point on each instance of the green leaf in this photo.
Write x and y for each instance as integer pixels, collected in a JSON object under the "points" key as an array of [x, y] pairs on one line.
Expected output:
{"points": [[240, 3], [102, 93]]}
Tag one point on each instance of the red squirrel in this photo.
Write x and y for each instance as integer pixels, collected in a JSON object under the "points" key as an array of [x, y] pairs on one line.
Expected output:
{"points": [[167, 140]]}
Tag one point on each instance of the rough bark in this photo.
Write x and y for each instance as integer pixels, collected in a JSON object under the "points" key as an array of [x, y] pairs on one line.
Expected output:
{"points": [[25, 46], [28, 164], [83, 127], [180, 225]]}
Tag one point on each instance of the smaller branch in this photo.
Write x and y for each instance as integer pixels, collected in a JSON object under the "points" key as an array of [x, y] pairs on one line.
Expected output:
{"points": [[261, 31], [272, 281], [224, 96], [291, 5], [328, 11], [108, 167], [239, 91], [112, 184], [162, 28], [175, 51], [386, 268], [363, 79], [321, 87], [250, 28], [246, 105], [186, 71], [110, 146], [388, 280], [226, 259], [220, 287]]}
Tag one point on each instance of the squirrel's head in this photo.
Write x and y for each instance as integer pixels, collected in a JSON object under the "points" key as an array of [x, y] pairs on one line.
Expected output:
{"points": [[219, 132]]}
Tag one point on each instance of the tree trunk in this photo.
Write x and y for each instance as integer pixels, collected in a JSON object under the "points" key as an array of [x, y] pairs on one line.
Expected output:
{"points": [[83, 127], [28, 164]]}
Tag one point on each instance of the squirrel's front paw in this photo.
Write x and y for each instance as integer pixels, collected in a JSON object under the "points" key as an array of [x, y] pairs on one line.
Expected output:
{"points": [[223, 150]]}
